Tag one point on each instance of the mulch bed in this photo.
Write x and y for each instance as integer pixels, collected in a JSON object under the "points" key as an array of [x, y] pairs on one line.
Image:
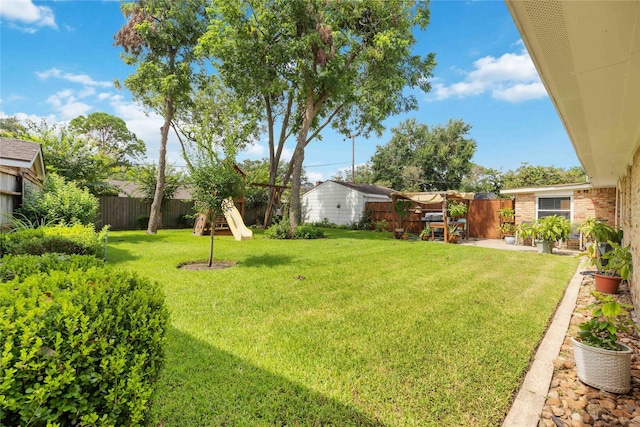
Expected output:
{"points": [[204, 265]]}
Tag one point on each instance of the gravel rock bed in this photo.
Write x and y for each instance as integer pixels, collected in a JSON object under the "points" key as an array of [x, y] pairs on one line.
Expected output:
{"points": [[570, 403]]}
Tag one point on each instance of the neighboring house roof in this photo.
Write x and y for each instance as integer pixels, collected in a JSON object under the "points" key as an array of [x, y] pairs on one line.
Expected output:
{"points": [[587, 54], [22, 154], [131, 189], [549, 188], [368, 189]]}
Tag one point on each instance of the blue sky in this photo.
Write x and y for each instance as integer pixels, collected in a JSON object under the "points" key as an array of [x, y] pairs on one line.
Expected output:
{"points": [[58, 61]]}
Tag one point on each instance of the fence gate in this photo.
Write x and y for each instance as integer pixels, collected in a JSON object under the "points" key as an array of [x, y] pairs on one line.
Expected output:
{"points": [[484, 219]]}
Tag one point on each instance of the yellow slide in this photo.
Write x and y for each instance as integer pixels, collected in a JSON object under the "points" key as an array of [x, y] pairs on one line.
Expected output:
{"points": [[234, 219]]}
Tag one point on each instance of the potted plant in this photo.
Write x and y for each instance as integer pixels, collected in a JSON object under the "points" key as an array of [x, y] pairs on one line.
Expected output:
{"points": [[425, 234], [507, 214], [405, 236], [507, 230], [612, 267], [453, 233], [457, 210], [600, 233], [601, 361], [547, 230]]}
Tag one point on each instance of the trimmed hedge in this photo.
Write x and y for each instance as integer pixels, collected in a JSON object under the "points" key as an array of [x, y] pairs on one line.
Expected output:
{"points": [[81, 344], [77, 239]]}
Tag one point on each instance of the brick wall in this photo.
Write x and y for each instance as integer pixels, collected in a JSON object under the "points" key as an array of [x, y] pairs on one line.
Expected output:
{"points": [[596, 202], [525, 207], [629, 208]]}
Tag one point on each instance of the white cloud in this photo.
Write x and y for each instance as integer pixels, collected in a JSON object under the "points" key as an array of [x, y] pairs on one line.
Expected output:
{"points": [[314, 176], [82, 79], [25, 16], [145, 125], [254, 151], [287, 154], [67, 106], [86, 92], [520, 92], [512, 77]]}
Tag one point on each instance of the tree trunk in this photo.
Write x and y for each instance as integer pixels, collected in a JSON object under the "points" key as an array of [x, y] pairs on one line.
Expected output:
{"points": [[155, 217], [212, 222], [295, 208]]}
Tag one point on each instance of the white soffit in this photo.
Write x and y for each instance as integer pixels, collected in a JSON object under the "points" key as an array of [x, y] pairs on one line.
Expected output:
{"points": [[588, 56]]}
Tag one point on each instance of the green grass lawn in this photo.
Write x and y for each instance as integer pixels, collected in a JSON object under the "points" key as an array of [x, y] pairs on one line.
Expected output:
{"points": [[353, 330]]}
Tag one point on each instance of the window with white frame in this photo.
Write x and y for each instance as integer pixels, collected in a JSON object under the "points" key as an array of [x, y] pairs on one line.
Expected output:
{"points": [[560, 206]]}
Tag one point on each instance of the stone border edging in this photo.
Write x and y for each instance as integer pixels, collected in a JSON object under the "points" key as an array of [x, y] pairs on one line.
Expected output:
{"points": [[527, 406]]}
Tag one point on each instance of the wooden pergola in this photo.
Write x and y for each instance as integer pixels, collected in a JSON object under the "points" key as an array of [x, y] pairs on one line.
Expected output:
{"points": [[431, 197]]}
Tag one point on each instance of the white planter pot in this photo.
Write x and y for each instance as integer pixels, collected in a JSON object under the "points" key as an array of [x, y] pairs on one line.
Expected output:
{"points": [[606, 370], [510, 240]]}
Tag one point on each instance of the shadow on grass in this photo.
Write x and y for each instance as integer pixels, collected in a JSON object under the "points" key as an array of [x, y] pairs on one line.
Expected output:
{"points": [[135, 236], [117, 255], [336, 233], [205, 386], [266, 260]]}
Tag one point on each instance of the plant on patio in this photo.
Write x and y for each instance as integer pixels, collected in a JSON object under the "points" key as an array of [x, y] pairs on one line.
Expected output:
{"points": [[547, 230], [457, 209], [507, 213]]}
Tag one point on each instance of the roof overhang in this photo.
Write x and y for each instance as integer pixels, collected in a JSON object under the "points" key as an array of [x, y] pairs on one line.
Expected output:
{"points": [[549, 188], [588, 56]]}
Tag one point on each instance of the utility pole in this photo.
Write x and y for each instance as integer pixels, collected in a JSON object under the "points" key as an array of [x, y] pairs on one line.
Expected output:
{"points": [[353, 155]]}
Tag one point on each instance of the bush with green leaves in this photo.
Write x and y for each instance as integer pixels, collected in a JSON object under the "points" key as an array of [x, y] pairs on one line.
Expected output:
{"points": [[308, 231], [280, 230], [59, 202], [18, 267], [82, 344], [77, 239]]}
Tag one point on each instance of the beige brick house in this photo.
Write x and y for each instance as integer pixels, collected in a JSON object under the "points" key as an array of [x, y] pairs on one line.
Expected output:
{"points": [[588, 57], [576, 202]]}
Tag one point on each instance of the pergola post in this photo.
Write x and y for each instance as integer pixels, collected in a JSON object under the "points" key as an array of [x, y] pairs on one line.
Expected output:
{"points": [[444, 218]]}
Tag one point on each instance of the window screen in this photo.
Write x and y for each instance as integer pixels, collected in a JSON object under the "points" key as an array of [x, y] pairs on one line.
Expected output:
{"points": [[560, 206]]}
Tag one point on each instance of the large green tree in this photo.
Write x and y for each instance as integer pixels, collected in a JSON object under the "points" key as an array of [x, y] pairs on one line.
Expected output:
{"points": [[419, 158], [363, 174], [110, 135], [482, 180], [316, 62], [72, 157], [527, 175], [159, 38]]}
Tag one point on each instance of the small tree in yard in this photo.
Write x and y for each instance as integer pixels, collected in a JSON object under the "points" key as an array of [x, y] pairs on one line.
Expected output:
{"points": [[213, 180]]}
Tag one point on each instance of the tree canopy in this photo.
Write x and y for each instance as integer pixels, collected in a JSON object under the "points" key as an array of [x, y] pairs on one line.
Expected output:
{"points": [[419, 158], [110, 135], [313, 62], [528, 175]]}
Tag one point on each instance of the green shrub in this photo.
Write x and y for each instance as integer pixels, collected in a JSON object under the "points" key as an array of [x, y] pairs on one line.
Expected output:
{"points": [[380, 225], [78, 239], [142, 222], [59, 202], [19, 267], [307, 231], [185, 221], [82, 346], [280, 230]]}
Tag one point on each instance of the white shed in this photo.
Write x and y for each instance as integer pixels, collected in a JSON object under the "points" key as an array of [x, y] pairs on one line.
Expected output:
{"points": [[341, 202]]}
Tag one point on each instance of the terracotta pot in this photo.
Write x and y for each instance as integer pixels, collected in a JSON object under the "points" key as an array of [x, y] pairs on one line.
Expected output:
{"points": [[607, 284]]}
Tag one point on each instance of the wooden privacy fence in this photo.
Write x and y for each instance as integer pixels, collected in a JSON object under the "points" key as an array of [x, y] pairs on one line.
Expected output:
{"points": [[483, 219], [122, 213]]}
